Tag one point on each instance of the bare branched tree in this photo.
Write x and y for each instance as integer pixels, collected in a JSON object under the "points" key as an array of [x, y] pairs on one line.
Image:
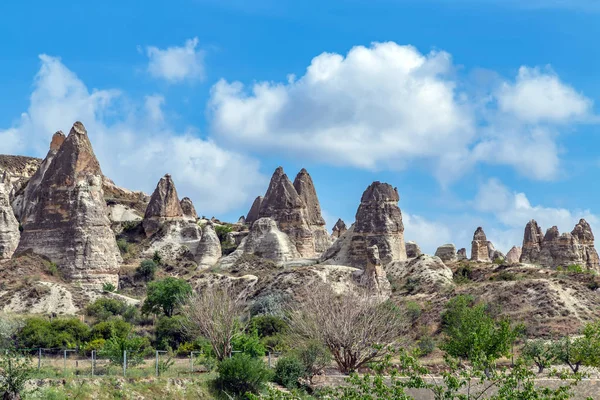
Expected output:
{"points": [[215, 313], [356, 328]]}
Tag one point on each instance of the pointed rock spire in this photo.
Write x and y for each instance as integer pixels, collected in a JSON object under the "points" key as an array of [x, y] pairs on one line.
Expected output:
{"points": [[306, 190], [69, 222], [281, 202], [339, 228], [254, 212], [514, 255], [164, 204], [479, 246], [532, 243], [189, 211], [209, 248]]}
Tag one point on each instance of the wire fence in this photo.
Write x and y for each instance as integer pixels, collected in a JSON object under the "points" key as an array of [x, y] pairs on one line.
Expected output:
{"points": [[58, 363]]}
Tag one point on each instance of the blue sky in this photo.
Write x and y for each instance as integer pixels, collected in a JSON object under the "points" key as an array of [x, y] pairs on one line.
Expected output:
{"points": [[480, 112]]}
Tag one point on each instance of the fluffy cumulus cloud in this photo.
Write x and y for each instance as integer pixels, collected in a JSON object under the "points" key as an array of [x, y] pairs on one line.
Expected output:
{"points": [[177, 64], [388, 106], [427, 234], [134, 143]]}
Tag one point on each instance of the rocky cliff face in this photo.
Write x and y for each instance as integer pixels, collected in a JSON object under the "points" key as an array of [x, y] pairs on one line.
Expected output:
{"points": [[305, 188], [556, 249], [16, 172], [9, 226], [479, 246], [379, 223], [69, 222], [412, 250]]}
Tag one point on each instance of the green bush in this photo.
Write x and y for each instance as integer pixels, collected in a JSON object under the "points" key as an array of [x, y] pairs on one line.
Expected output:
{"points": [[413, 310], [123, 246], [249, 343], [165, 296], [169, 332], [288, 371], [268, 325], [463, 274], [314, 356], [108, 287], [242, 374], [222, 231], [137, 348], [112, 328], [146, 270], [105, 308], [426, 345], [63, 333], [157, 258], [271, 304]]}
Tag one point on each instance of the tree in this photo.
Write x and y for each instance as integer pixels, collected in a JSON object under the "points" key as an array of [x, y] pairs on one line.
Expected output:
{"points": [[137, 348], [15, 371], [166, 295], [539, 351], [9, 327], [170, 332], [473, 334], [215, 314], [147, 270], [583, 350], [355, 327]]}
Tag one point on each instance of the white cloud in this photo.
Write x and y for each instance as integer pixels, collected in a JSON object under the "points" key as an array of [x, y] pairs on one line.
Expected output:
{"points": [[134, 144], [176, 64], [538, 96], [427, 234]]}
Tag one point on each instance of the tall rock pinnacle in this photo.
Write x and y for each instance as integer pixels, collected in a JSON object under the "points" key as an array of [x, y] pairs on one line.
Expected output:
{"points": [[532, 243], [306, 190], [164, 205], [254, 212], [479, 246], [69, 222]]}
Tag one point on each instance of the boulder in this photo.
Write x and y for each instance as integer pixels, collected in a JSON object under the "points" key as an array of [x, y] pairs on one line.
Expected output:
{"points": [[69, 223], [461, 254], [189, 211], [264, 240], [209, 248], [412, 250], [480, 246], [447, 253], [514, 255], [339, 228], [9, 226], [427, 274], [254, 212], [379, 223], [164, 206]]}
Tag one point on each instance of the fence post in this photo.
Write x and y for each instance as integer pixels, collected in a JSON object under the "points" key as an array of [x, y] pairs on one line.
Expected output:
{"points": [[39, 358], [65, 362], [93, 360], [124, 362], [269, 359], [156, 362], [192, 361]]}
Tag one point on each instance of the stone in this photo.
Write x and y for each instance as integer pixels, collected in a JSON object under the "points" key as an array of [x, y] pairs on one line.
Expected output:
{"points": [[9, 226], [209, 248], [339, 228], [264, 240], [532, 243], [427, 274], [69, 223], [164, 206], [254, 212], [479, 246], [373, 277], [378, 222], [189, 211], [412, 250], [461, 254], [514, 255], [447, 253]]}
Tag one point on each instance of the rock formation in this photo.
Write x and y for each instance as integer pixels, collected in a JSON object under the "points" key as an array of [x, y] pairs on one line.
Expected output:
{"points": [[446, 253], [241, 220], [379, 223], [461, 254], [555, 249], [254, 212], [9, 226], [305, 188], [265, 240], [69, 222], [209, 248], [338, 229], [514, 255], [427, 274], [16, 172], [189, 211], [412, 250], [164, 206], [479, 246], [374, 277]]}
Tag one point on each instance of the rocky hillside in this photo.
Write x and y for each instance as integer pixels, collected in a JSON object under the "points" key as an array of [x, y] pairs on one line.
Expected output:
{"points": [[67, 231]]}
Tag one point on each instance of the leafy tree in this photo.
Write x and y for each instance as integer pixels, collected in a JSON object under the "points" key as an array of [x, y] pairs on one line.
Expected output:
{"points": [[166, 295], [583, 350], [314, 356], [15, 371], [147, 270], [242, 374], [40, 332], [104, 308], [539, 351], [137, 348], [268, 325], [115, 327], [9, 327], [288, 371], [170, 332]]}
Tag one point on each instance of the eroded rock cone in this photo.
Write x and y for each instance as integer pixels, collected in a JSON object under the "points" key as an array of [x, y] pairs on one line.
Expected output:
{"points": [[379, 223], [69, 222], [479, 246], [254, 212], [305, 188], [339, 228], [412, 250], [532, 243], [209, 248], [189, 211], [9, 226], [164, 206], [374, 277], [446, 252], [514, 255]]}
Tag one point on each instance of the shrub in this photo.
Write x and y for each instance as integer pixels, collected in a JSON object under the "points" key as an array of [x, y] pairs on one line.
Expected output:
{"points": [[170, 332], [64, 333], [314, 356], [96, 344], [249, 343], [137, 348], [411, 285], [506, 276], [271, 304], [222, 231], [426, 345], [52, 269], [242, 374], [157, 258], [16, 371], [112, 328], [413, 310], [108, 287], [146, 270], [123, 246], [288, 371], [105, 308], [268, 325], [463, 274]]}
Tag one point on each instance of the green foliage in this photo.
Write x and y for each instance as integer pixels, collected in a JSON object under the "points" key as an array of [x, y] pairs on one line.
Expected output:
{"points": [[288, 371], [506, 276], [170, 333], [52, 269], [540, 352], [129, 226], [583, 350], [249, 343], [15, 371], [123, 245], [222, 231], [146, 270], [242, 374], [314, 356], [411, 285], [426, 345], [58, 333], [137, 348], [471, 333], [108, 287], [271, 304], [413, 310], [268, 325], [463, 274], [96, 344], [115, 327], [165, 365], [105, 308], [498, 261], [9, 327], [166, 295], [157, 258]]}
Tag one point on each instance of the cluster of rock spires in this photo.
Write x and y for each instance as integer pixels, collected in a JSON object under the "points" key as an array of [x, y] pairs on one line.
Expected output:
{"points": [[554, 249]]}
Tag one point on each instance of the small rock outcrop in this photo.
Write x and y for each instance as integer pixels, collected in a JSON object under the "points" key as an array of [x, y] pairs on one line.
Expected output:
{"points": [[189, 211], [254, 212], [379, 223], [556, 249], [69, 222], [447, 252], [461, 254], [412, 250], [427, 274], [265, 240], [373, 277], [514, 255], [164, 206], [339, 228], [209, 248], [9, 226], [479, 246]]}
